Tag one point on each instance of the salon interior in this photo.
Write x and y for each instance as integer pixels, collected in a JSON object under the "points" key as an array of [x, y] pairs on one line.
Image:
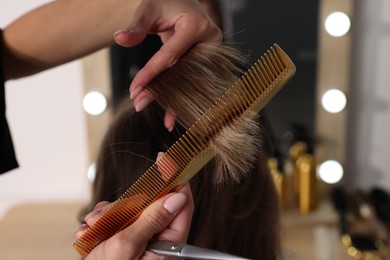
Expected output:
{"points": [[329, 124]]}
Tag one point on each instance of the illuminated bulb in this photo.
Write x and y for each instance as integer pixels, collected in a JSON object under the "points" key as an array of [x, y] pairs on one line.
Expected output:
{"points": [[91, 172], [331, 171], [337, 24], [94, 103], [333, 100]]}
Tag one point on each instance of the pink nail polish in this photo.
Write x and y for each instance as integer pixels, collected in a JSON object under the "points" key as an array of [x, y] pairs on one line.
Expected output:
{"points": [[136, 91], [121, 31], [175, 202], [82, 227], [144, 102], [92, 214], [159, 156]]}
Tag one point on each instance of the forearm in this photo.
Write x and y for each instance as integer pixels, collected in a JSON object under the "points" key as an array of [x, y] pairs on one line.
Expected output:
{"points": [[62, 31]]}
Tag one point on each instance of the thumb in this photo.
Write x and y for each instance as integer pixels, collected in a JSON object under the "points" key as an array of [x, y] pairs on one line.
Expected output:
{"points": [[158, 216], [129, 37], [141, 25], [131, 242]]}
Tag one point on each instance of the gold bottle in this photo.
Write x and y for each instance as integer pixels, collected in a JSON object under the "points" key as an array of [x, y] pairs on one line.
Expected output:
{"points": [[283, 184], [306, 183]]}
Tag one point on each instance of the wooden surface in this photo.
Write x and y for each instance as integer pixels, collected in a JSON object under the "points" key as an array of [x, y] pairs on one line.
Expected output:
{"points": [[39, 231]]}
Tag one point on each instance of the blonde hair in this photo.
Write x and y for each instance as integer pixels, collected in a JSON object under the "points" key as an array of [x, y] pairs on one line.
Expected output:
{"points": [[192, 86]]}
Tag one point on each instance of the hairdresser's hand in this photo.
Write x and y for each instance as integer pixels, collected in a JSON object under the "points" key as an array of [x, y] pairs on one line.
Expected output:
{"points": [[168, 218], [180, 24]]}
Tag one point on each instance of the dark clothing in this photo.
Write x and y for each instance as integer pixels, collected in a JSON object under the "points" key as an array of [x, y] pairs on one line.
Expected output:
{"points": [[7, 153]]}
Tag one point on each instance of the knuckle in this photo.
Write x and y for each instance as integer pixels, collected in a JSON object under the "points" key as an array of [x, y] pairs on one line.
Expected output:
{"points": [[156, 222], [208, 30], [166, 58]]}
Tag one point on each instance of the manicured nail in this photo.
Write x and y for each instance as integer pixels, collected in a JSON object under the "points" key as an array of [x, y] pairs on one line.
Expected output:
{"points": [[82, 227], [172, 64], [144, 102], [121, 31], [100, 205], [170, 127], [175, 202], [135, 92], [169, 120], [159, 156], [92, 214]]}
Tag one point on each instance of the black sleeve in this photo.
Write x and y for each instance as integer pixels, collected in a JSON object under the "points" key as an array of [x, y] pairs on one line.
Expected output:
{"points": [[7, 153]]}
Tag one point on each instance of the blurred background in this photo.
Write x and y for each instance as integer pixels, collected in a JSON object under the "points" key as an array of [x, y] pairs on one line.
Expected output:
{"points": [[329, 124]]}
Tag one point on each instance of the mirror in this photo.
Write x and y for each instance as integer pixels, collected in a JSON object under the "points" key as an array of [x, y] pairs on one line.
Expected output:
{"points": [[256, 26]]}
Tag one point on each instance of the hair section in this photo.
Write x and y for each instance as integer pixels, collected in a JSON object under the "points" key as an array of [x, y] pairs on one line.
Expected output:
{"points": [[192, 86]]}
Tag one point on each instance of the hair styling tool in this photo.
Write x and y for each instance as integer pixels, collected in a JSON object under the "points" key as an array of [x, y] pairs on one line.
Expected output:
{"points": [[250, 93], [168, 248]]}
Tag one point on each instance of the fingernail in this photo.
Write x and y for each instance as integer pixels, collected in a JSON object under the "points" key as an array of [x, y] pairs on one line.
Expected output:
{"points": [[100, 205], [135, 92], [169, 119], [170, 127], [144, 102], [173, 63], [159, 156], [121, 31], [92, 214], [81, 228], [175, 202]]}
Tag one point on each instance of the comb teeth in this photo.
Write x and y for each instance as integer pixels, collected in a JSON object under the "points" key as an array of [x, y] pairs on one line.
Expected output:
{"points": [[192, 151]]}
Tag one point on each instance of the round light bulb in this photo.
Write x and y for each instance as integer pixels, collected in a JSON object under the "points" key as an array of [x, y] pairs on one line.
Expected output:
{"points": [[333, 100], [91, 172], [330, 171], [337, 24], [94, 103]]}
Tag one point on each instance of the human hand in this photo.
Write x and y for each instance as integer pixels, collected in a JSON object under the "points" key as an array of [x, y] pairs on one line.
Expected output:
{"points": [[180, 24], [168, 218]]}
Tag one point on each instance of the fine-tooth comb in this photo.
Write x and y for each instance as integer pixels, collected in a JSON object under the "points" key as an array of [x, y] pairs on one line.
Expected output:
{"points": [[192, 151]]}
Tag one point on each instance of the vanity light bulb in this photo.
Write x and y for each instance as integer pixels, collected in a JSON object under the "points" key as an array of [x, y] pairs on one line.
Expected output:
{"points": [[330, 171], [94, 103], [337, 24], [91, 172], [333, 101]]}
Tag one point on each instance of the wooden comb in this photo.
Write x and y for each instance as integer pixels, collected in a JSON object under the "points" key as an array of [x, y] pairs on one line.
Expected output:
{"points": [[192, 151]]}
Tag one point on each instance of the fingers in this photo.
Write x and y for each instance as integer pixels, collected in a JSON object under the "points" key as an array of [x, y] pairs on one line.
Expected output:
{"points": [[142, 98], [159, 215], [168, 218], [179, 228], [144, 17], [188, 30], [92, 217], [129, 37], [180, 24], [166, 165], [169, 120], [158, 218]]}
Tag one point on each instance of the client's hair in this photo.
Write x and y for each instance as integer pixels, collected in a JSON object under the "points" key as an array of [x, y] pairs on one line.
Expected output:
{"points": [[239, 217], [191, 87]]}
